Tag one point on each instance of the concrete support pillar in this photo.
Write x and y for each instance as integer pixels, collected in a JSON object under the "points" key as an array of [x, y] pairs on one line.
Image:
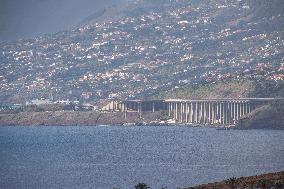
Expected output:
{"points": [[181, 112], [249, 107], [176, 111], [238, 111], [243, 108], [223, 113], [191, 113], [125, 110], [210, 113], [186, 112], [196, 112], [214, 112], [205, 112], [217, 112], [172, 109], [200, 112], [220, 113], [234, 111], [121, 107], [231, 112], [169, 108], [226, 113], [140, 109]]}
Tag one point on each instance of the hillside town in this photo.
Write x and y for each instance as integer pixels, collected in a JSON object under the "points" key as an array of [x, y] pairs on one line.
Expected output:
{"points": [[161, 47]]}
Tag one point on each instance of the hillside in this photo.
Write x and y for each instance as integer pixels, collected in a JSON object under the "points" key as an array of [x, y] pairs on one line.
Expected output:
{"points": [[152, 46], [224, 89], [269, 116]]}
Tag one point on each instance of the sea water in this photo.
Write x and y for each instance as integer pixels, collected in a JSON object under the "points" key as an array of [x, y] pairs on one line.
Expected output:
{"points": [[104, 157]]}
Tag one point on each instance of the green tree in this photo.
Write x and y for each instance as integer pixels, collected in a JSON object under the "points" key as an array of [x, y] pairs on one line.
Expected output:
{"points": [[142, 186]]}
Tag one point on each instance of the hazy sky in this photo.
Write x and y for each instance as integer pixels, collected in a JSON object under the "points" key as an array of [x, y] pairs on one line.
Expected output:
{"points": [[27, 18]]}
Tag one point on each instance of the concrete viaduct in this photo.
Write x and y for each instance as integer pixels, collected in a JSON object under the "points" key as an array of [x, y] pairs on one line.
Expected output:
{"points": [[204, 111]]}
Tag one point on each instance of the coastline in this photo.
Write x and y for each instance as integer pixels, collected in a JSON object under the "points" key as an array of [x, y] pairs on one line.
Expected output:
{"points": [[90, 118], [264, 117]]}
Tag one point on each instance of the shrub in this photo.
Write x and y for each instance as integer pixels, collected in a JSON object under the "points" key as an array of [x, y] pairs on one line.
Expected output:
{"points": [[142, 186], [232, 182]]}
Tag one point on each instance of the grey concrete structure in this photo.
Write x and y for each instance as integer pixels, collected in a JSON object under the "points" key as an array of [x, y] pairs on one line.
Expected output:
{"points": [[203, 111]]}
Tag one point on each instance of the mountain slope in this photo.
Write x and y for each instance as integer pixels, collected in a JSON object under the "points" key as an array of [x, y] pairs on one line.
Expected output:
{"points": [[154, 47], [225, 89], [268, 116]]}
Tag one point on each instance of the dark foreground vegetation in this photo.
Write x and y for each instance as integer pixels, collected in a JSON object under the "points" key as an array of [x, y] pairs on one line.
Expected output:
{"points": [[265, 181]]}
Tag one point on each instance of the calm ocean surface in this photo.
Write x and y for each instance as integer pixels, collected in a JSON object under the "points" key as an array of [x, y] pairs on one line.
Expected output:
{"points": [[105, 157]]}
